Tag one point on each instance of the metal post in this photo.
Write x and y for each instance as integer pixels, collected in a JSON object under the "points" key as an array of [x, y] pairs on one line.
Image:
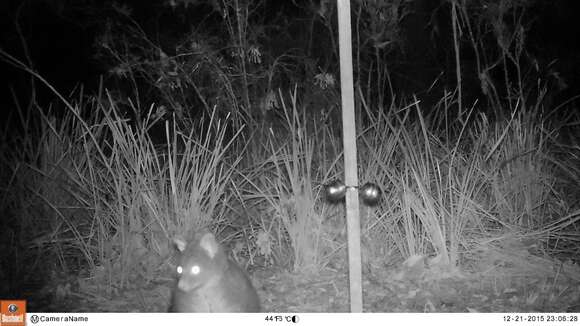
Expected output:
{"points": [[350, 159]]}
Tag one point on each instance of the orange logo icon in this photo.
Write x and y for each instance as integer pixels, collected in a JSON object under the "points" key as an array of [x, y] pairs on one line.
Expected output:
{"points": [[12, 312]]}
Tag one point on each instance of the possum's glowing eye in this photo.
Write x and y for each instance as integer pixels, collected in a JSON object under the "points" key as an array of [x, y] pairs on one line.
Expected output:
{"points": [[179, 269], [195, 269]]}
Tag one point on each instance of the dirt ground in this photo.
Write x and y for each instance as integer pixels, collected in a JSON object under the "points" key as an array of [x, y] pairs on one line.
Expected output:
{"points": [[502, 275]]}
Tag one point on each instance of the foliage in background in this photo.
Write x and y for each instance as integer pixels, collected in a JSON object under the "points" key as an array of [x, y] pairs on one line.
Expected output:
{"points": [[100, 195]]}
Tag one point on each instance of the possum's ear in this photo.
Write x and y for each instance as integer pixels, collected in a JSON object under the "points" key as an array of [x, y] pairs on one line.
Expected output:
{"points": [[179, 243], [208, 243]]}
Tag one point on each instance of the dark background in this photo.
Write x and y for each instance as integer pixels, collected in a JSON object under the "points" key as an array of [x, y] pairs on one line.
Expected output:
{"points": [[60, 36]]}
